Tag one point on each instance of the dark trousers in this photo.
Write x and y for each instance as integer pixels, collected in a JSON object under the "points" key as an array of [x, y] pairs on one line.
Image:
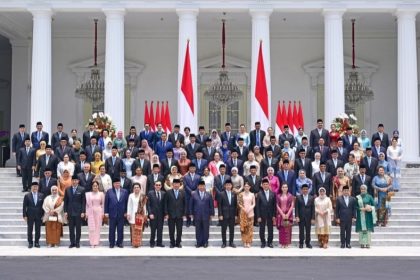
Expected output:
{"points": [[75, 224], [26, 178], [269, 223], [30, 223], [116, 224], [229, 222], [202, 229], [156, 229], [345, 232], [305, 232], [172, 224]]}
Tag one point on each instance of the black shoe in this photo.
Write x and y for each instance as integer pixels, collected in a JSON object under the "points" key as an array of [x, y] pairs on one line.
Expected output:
{"points": [[179, 246], [348, 246], [342, 246], [172, 246], [111, 246], [160, 245], [263, 245], [206, 245], [300, 246], [152, 245], [120, 246], [37, 245], [71, 246], [232, 245], [223, 245], [30, 246], [197, 246], [77, 245], [270, 245], [309, 246]]}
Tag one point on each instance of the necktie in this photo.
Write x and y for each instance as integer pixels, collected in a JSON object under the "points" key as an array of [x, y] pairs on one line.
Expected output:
{"points": [[223, 179], [229, 197], [158, 195], [21, 136], [87, 176], [39, 135], [169, 162], [321, 148], [47, 158], [303, 162], [253, 179], [363, 178], [267, 195], [47, 180], [27, 150], [346, 199], [118, 194], [35, 198], [113, 161], [228, 135], [234, 162], [258, 138], [323, 177], [176, 194], [306, 199], [74, 190], [201, 195], [285, 175], [369, 162]]}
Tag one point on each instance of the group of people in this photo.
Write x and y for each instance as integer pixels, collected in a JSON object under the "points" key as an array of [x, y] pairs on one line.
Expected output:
{"points": [[251, 179]]}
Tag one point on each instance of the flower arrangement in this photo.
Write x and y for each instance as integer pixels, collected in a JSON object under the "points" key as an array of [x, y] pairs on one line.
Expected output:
{"points": [[4, 138], [343, 121], [101, 122]]}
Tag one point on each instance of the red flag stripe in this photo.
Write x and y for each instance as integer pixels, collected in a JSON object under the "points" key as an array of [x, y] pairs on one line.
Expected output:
{"points": [[290, 117], [152, 117], [300, 116], [295, 117], [261, 92], [158, 118], [168, 118], [146, 113], [278, 116], [162, 116], [283, 114], [187, 82]]}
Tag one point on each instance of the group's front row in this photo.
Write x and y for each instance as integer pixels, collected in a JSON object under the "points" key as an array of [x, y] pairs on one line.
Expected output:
{"points": [[265, 209]]}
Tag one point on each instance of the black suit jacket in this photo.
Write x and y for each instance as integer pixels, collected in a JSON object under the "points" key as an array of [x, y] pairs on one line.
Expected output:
{"points": [[155, 206], [134, 152], [127, 185], [30, 210], [264, 165], [308, 149], [371, 170], [86, 138], [146, 167], [78, 166], [191, 151], [385, 139], [218, 184], [166, 168], [59, 152], [90, 155], [86, 184], [34, 139], [331, 168], [343, 212], [266, 209], [172, 139], [74, 204], [276, 151], [356, 182], [113, 170], [55, 139], [289, 137], [314, 137], [343, 155], [255, 187], [253, 138], [347, 143], [375, 153], [231, 140], [208, 156], [317, 183], [151, 182], [228, 211], [244, 155], [26, 160], [325, 154], [44, 188], [239, 165], [175, 207], [200, 141], [307, 167], [136, 140], [305, 213], [18, 142], [42, 164]]}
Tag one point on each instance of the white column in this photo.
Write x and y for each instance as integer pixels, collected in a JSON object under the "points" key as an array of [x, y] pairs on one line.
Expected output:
{"points": [[260, 33], [334, 99], [408, 111], [187, 31], [41, 69], [114, 66]]}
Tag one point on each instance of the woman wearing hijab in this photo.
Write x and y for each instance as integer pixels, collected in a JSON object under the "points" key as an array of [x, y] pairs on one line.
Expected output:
{"points": [[95, 201], [385, 164], [285, 205], [148, 151], [323, 211], [274, 180], [53, 217], [107, 152], [237, 181], [366, 217], [174, 174], [396, 135], [216, 142], [363, 140], [120, 143]]}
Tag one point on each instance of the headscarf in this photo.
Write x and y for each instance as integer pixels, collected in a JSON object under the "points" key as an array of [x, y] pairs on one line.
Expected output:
{"points": [[322, 196], [54, 196]]}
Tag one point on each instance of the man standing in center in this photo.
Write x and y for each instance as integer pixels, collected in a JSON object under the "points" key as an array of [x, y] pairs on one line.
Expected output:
{"points": [[266, 212], [305, 216], [227, 213], [201, 210], [345, 213], [175, 212], [155, 209]]}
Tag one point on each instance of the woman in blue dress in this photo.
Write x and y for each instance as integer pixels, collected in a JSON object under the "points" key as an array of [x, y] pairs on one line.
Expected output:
{"points": [[382, 183]]}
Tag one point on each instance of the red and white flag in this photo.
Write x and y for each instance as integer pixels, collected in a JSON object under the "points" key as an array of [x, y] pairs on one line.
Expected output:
{"points": [[168, 122], [279, 126], [158, 119], [146, 114], [152, 117], [300, 117], [295, 119], [162, 116], [261, 108], [187, 113], [283, 116], [290, 117]]}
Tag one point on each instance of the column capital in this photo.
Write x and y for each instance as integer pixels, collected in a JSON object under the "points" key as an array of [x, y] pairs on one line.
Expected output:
{"points": [[115, 13], [260, 13], [406, 13], [333, 12], [41, 12], [19, 43], [184, 13]]}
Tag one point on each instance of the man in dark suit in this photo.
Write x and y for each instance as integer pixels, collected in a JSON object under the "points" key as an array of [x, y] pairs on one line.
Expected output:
{"points": [[92, 149], [201, 136], [86, 177], [322, 149], [192, 147], [18, 141], [287, 136], [345, 213], [113, 164], [302, 162], [116, 200], [143, 163], [32, 214], [87, 135], [201, 209], [253, 179], [162, 146], [306, 147], [382, 136], [219, 180], [319, 132], [190, 182], [175, 212], [74, 210], [48, 160], [349, 139], [287, 176], [305, 216], [276, 149], [334, 163], [266, 212], [242, 150], [199, 162], [26, 164], [147, 135], [370, 162], [57, 136], [62, 149], [132, 147], [38, 135], [228, 136], [80, 162], [47, 182], [269, 161], [322, 179], [208, 150], [343, 153], [168, 162], [176, 136], [227, 213], [156, 212], [153, 178], [378, 148], [235, 162], [125, 182], [256, 137], [361, 179], [133, 136]]}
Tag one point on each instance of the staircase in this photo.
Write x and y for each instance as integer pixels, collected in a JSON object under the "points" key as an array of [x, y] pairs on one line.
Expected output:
{"points": [[403, 228]]}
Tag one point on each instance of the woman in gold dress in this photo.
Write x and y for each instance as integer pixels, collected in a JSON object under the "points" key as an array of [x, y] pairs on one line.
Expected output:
{"points": [[339, 182], [64, 182], [96, 163], [171, 176]]}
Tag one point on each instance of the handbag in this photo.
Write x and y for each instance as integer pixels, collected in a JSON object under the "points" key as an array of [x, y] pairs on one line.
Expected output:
{"points": [[52, 219], [285, 223]]}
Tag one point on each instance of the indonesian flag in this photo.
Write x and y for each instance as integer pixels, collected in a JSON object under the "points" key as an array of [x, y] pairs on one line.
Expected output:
{"points": [[295, 119], [162, 116], [300, 117], [146, 113], [279, 126], [290, 117], [260, 110], [283, 116], [168, 119], [152, 117], [158, 119]]}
